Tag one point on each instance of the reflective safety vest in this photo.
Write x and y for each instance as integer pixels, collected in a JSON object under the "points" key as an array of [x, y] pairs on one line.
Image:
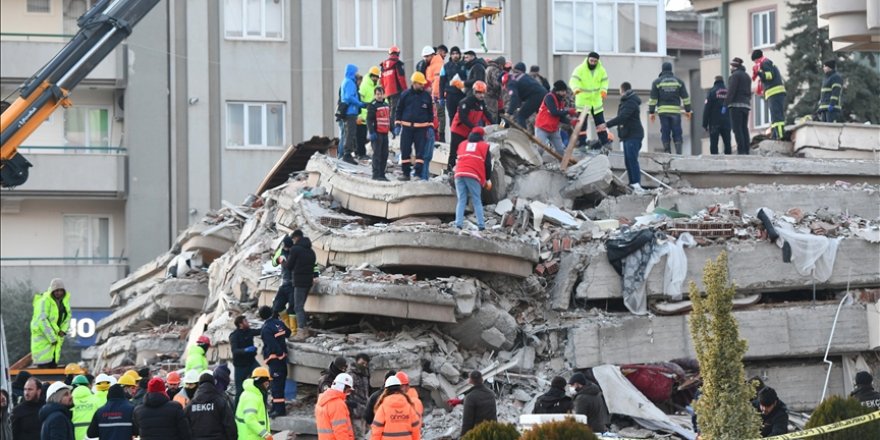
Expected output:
{"points": [[588, 86], [251, 418], [396, 419], [196, 360], [366, 91], [45, 340], [832, 87], [84, 406], [668, 94], [332, 417], [383, 122], [771, 79]]}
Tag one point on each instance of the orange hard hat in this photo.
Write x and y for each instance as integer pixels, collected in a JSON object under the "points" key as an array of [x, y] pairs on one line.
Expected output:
{"points": [[404, 379], [173, 378], [393, 49], [480, 86]]}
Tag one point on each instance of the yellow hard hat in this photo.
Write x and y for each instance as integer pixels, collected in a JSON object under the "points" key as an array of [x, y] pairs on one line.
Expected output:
{"points": [[127, 380], [419, 78], [133, 374], [374, 70], [260, 372], [73, 368]]}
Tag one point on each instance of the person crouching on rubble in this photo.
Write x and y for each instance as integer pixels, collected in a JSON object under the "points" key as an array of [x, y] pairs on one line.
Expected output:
{"points": [[472, 168]]}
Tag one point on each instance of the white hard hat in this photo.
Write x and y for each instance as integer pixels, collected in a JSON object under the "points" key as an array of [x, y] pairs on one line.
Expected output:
{"points": [[55, 387], [427, 50], [191, 376], [392, 381], [103, 378], [342, 380]]}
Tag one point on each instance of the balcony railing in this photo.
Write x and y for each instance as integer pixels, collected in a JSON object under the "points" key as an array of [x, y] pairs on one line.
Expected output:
{"points": [[99, 171]]}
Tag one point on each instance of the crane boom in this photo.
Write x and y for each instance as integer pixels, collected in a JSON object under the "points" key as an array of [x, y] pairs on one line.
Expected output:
{"points": [[101, 29]]}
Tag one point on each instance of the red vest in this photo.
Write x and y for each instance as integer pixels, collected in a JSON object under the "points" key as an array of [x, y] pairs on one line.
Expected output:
{"points": [[472, 160], [546, 121], [474, 117], [392, 81], [383, 119]]}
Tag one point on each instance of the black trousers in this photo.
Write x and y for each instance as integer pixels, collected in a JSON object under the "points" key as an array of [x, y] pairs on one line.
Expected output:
{"points": [[361, 140], [714, 134], [527, 109], [452, 101], [380, 155], [278, 371], [455, 141], [282, 297], [777, 115], [739, 121]]}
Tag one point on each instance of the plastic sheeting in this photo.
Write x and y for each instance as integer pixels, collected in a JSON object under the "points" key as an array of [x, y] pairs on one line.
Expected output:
{"points": [[811, 254], [676, 266]]}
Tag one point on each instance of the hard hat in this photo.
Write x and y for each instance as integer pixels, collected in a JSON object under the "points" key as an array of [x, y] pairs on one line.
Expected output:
{"points": [[191, 376], [73, 368], [374, 70], [103, 378], [173, 378], [133, 374], [260, 372], [404, 379], [392, 381], [80, 380], [393, 49], [418, 77], [203, 340], [480, 86], [427, 50], [127, 380], [55, 387], [344, 379]]}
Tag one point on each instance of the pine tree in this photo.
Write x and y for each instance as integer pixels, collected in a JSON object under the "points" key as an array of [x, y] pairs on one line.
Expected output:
{"points": [[724, 410], [808, 47]]}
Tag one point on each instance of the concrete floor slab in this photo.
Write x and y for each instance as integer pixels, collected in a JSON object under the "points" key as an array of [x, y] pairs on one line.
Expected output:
{"points": [[307, 360], [799, 383], [416, 301], [827, 140]]}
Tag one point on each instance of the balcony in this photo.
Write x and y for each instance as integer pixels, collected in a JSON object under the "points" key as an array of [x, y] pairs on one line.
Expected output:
{"points": [[96, 172], [23, 54], [87, 279]]}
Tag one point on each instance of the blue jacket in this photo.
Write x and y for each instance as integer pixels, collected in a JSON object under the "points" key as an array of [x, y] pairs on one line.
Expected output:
{"points": [[274, 335], [349, 91], [56, 422], [114, 421], [415, 106]]}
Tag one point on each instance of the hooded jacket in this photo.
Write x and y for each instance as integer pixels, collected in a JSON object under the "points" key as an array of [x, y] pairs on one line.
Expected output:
{"points": [[84, 407], [196, 360], [251, 417], [479, 406], [590, 402], [588, 85], [523, 89], [47, 322], [56, 424], [25, 420], [739, 89], [476, 71], [396, 419], [332, 417], [668, 93], [553, 402], [209, 414], [161, 419], [776, 422], [867, 396], [450, 69], [349, 91], [712, 116], [328, 376], [301, 262], [627, 121], [114, 420]]}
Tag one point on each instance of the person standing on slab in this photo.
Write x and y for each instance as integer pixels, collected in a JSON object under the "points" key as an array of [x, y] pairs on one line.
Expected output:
{"points": [[715, 116], [773, 89], [739, 104], [630, 132], [668, 95], [832, 90]]}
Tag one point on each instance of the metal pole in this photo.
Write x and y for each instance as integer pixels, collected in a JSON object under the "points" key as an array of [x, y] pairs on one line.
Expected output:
{"points": [[831, 337]]}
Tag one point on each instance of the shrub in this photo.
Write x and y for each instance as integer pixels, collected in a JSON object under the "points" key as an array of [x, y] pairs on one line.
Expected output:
{"points": [[567, 429], [835, 409], [492, 431]]}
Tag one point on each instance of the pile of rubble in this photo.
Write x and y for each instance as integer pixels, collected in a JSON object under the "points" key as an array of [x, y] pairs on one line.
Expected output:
{"points": [[531, 297]]}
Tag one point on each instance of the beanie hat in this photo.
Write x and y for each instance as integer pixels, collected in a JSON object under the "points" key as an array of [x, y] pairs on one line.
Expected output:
{"points": [[500, 61], [534, 69], [156, 385], [768, 396], [578, 378], [757, 54], [520, 66], [831, 64], [56, 284], [864, 378], [667, 66], [593, 55], [455, 49], [736, 62], [115, 392], [559, 85], [471, 53], [476, 134]]}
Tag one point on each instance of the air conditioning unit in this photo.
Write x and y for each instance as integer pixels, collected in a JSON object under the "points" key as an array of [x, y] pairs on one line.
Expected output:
{"points": [[119, 105]]}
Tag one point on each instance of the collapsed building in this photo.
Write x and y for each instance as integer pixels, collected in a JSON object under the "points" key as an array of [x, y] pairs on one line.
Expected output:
{"points": [[535, 294]]}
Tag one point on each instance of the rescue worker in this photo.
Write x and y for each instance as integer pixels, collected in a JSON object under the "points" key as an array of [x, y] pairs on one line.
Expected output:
{"points": [[535, 72], [370, 412], [494, 88], [379, 125], [525, 93], [284, 296], [668, 95], [190, 384], [244, 352], [25, 417], [832, 90], [864, 391], [396, 415], [415, 113], [84, 406], [251, 419], [129, 385], [274, 336], [172, 382], [331, 411], [471, 113], [348, 96], [337, 367], [589, 82], [360, 393], [475, 70], [715, 116], [102, 385], [772, 87], [115, 419], [435, 67], [774, 414], [473, 169], [49, 324], [393, 79], [159, 418], [554, 401], [209, 414], [450, 94], [196, 359], [588, 400], [552, 112], [411, 393], [72, 370], [301, 264], [367, 91], [630, 132], [141, 389], [55, 414], [479, 403], [739, 103]]}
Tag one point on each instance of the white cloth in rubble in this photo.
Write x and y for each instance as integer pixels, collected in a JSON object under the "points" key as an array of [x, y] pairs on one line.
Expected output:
{"points": [[629, 401], [676, 265], [811, 254]]}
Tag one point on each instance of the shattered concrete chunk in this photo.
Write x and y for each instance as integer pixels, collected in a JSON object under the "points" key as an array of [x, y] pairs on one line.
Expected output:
{"points": [[417, 301], [570, 268], [589, 176], [489, 326]]}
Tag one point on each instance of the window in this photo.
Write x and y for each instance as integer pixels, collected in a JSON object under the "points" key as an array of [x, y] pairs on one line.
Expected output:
{"points": [[73, 10], [709, 28], [250, 124], [87, 236], [761, 113], [764, 28], [38, 6], [87, 126], [617, 26], [254, 19], [365, 24]]}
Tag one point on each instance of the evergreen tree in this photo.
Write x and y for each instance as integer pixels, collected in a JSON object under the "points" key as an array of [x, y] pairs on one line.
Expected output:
{"points": [[808, 46], [724, 410]]}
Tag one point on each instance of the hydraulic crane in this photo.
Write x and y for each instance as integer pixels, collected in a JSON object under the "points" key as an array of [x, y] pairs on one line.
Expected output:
{"points": [[101, 29]]}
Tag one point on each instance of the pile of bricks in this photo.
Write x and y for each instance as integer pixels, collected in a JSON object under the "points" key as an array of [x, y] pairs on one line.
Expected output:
{"points": [[707, 229]]}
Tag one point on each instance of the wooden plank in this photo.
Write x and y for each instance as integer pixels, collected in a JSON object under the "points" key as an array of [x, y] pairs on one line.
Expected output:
{"points": [[572, 141], [535, 140]]}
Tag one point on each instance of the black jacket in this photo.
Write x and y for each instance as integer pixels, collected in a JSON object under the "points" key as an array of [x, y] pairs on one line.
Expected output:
{"points": [[450, 69], [26, 421], [161, 419], [553, 402], [476, 71], [239, 340], [370, 411], [274, 335], [113, 421], [479, 406], [415, 106], [301, 262], [668, 94], [327, 377], [832, 88], [56, 422], [629, 126], [210, 416], [776, 422], [590, 402], [739, 89], [522, 89], [712, 116], [868, 397]]}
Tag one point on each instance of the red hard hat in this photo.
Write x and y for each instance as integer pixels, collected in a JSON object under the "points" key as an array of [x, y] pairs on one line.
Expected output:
{"points": [[203, 340], [394, 49], [404, 379]]}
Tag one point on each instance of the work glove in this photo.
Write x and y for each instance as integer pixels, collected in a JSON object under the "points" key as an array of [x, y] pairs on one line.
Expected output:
{"points": [[572, 112], [689, 115], [373, 138], [442, 102], [604, 94], [268, 437], [250, 349], [830, 107], [652, 117], [454, 402], [723, 109]]}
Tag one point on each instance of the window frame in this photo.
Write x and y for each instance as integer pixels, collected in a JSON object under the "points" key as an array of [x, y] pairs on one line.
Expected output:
{"points": [[357, 27], [47, 12], [91, 218], [85, 108], [262, 37], [760, 110], [763, 11], [661, 30], [264, 126]]}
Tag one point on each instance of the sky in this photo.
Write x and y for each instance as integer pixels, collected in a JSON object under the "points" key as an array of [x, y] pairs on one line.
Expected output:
{"points": [[677, 5]]}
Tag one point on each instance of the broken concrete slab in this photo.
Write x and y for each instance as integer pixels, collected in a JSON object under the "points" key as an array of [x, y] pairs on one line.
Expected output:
{"points": [[489, 327], [835, 140], [518, 145], [295, 159], [211, 242], [391, 200], [800, 381], [570, 268], [799, 331], [590, 176], [774, 148], [417, 301], [754, 266], [543, 185]]}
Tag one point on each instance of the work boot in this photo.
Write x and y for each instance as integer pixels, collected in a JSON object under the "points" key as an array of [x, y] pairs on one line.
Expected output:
{"points": [[666, 147], [301, 334], [678, 147], [282, 316], [404, 178], [348, 159], [291, 324]]}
